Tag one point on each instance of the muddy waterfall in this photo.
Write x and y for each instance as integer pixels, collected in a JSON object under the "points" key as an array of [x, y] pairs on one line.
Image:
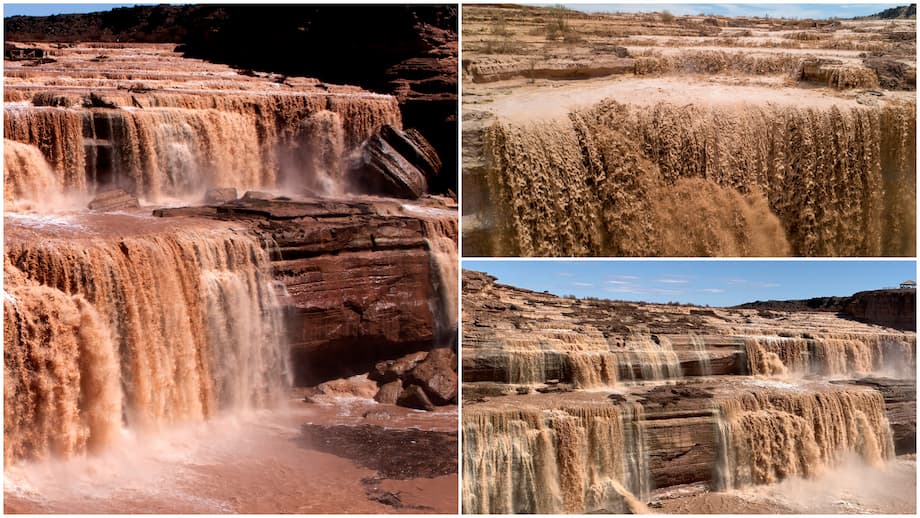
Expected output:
{"points": [[581, 406]]}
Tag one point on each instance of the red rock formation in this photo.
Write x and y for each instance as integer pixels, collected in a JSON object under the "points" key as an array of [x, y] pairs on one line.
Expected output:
{"points": [[889, 308], [359, 277]]}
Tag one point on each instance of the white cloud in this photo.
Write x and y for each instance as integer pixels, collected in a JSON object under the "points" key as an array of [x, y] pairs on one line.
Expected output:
{"points": [[625, 289], [582, 284], [668, 280], [662, 291], [712, 290]]}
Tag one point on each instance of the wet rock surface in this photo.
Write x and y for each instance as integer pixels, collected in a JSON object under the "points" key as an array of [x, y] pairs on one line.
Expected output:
{"points": [[113, 200], [669, 395], [357, 276], [393, 453]]}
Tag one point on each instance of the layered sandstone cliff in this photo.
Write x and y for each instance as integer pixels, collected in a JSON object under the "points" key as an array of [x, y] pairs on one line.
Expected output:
{"points": [[601, 405]]}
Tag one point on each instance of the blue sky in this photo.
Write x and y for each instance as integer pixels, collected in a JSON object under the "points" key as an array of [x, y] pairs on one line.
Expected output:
{"points": [[49, 9], [773, 10], [716, 283]]}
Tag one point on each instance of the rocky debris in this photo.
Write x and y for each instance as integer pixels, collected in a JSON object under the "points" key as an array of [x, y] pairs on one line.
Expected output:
{"points": [[389, 393], [113, 200], [414, 396], [391, 370], [257, 196], [93, 100], [394, 453], [892, 74], [414, 148], [220, 195], [354, 386], [437, 377], [418, 380], [382, 169]]}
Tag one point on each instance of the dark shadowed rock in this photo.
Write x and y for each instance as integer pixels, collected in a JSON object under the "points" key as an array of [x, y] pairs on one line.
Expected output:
{"points": [[892, 74], [114, 200], [414, 397], [383, 170], [220, 195], [414, 148], [389, 393], [390, 370], [436, 376]]}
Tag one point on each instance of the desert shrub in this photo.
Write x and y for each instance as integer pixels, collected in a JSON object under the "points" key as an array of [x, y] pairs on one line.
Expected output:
{"points": [[805, 36], [556, 28], [666, 16]]}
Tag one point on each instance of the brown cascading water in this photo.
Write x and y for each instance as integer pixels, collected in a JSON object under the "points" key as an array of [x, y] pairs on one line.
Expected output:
{"points": [[320, 153], [58, 134], [570, 460], [774, 355], [191, 315], [864, 354], [831, 355], [27, 177], [769, 435], [62, 393], [179, 144], [651, 359], [692, 180], [442, 249]]}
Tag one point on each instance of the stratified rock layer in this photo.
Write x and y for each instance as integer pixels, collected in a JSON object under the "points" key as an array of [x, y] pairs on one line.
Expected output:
{"points": [[569, 394], [360, 276]]}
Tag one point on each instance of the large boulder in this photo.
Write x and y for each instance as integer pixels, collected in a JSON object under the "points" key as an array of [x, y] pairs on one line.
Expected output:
{"points": [[437, 376], [389, 393], [258, 196], [220, 195], [382, 169], [115, 199], [414, 397], [390, 370], [414, 148]]}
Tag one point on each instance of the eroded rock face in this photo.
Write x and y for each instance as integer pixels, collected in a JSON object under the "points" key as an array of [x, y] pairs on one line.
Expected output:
{"points": [[889, 308], [383, 169], [751, 393], [358, 277]]}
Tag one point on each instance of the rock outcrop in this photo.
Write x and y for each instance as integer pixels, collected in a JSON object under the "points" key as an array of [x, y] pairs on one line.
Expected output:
{"points": [[115, 199], [418, 380], [220, 195], [357, 276], [394, 163], [889, 308]]}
